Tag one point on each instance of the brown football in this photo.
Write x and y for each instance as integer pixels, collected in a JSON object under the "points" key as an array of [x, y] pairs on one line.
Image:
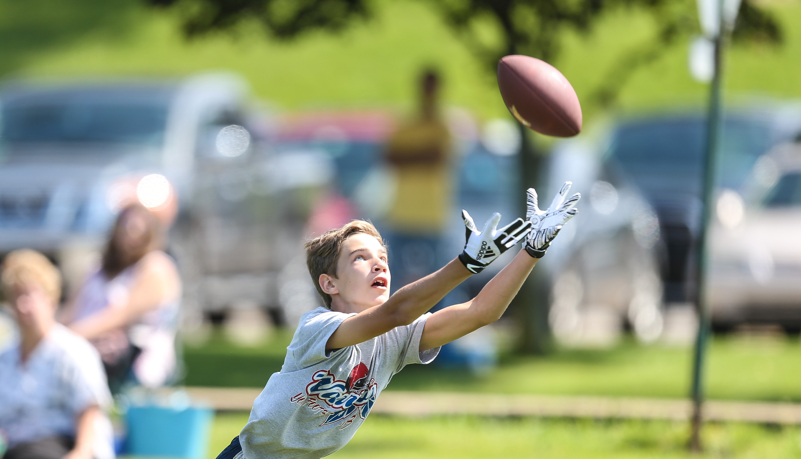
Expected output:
{"points": [[539, 96]]}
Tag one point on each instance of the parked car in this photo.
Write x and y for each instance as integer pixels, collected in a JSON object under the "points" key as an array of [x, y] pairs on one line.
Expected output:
{"points": [[755, 262], [71, 153], [604, 268], [663, 155]]}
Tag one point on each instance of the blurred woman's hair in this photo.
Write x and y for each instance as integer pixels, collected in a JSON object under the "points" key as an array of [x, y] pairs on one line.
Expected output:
{"points": [[115, 258], [29, 268]]}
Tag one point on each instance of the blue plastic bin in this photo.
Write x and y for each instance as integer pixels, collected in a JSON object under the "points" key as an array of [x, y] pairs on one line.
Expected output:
{"points": [[168, 432]]}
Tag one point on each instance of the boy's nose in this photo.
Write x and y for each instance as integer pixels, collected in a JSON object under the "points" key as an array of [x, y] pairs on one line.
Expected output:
{"points": [[380, 266]]}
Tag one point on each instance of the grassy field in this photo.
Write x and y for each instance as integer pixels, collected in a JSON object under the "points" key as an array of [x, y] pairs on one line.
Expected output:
{"points": [[474, 437], [739, 367]]}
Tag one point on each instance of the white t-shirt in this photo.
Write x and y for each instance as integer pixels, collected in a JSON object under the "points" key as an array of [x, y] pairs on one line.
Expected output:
{"points": [[154, 332], [315, 404], [42, 397]]}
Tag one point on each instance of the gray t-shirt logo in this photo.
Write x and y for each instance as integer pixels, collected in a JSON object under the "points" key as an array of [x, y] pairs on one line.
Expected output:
{"points": [[341, 400]]}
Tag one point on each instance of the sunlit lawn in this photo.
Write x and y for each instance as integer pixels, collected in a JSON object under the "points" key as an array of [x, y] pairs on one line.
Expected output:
{"points": [[739, 367], [473, 437]]}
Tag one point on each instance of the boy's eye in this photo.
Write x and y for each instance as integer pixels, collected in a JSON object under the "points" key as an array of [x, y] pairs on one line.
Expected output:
{"points": [[359, 257]]}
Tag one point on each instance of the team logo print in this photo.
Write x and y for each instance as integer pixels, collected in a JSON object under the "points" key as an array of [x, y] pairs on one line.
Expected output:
{"points": [[340, 400], [358, 377]]}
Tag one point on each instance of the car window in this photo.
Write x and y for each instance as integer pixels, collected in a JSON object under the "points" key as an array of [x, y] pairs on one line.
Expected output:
{"points": [[83, 121], [786, 192], [677, 145], [669, 141]]}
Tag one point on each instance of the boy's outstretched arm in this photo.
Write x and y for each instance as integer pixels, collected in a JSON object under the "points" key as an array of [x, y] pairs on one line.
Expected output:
{"points": [[489, 305], [412, 300]]}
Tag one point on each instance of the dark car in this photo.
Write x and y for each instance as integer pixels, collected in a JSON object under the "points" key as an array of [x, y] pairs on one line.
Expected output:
{"points": [[603, 269], [663, 154]]}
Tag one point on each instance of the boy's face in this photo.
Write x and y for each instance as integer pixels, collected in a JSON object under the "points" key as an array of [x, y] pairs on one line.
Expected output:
{"points": [[363, 276]]}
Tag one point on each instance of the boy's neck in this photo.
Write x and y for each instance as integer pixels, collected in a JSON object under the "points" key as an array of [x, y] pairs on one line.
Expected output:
{"points": [[346, 307]]}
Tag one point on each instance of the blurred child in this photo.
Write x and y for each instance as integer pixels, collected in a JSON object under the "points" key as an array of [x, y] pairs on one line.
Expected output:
{"points": [[52, 387], [344, 354], [128, 307]]}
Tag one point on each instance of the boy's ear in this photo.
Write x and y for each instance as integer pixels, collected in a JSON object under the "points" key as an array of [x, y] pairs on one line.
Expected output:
{"points": [[327, 284]]}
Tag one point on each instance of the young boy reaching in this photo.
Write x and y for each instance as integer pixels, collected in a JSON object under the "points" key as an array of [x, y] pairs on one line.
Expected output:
{"points": [[342, 356]]}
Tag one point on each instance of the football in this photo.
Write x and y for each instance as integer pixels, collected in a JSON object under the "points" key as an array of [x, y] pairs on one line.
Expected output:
{"points": [[539, 96]]}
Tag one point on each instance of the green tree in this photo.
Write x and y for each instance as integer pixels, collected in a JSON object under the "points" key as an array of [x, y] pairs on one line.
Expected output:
{"points": [[32, 27]]}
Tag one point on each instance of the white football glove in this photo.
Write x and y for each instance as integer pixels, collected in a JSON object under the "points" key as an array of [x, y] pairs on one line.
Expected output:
{"points": [[481, 249], [546, 224]]}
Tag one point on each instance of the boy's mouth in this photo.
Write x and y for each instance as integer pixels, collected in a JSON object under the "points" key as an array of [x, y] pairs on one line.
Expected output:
{"points": [[379, 282]]}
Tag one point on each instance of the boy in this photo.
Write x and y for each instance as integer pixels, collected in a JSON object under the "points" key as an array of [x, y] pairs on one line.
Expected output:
{"points": [[342, 356], [52, 386]]}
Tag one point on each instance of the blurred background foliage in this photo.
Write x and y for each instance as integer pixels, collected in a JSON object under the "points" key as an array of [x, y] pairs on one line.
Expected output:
{"points": [[371, 61]]}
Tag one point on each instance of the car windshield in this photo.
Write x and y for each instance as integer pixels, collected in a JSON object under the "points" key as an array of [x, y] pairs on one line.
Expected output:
{"points": [[83, 120], [676, 145], [786, 192]]}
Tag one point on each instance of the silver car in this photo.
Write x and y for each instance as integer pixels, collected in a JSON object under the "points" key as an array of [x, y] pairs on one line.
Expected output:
{"points": [[72, 152], [755, 246]]}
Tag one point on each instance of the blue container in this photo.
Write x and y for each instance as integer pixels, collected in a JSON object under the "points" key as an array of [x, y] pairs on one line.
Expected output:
{"points": [[168, 432]]}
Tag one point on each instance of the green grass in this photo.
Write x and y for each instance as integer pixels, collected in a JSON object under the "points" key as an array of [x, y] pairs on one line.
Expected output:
{"points": [[468, 437], [739, 367], [371, 63]]}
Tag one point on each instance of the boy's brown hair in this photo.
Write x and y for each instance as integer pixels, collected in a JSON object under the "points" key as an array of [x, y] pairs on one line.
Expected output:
{"points": [[322, 252], [28, 267]]}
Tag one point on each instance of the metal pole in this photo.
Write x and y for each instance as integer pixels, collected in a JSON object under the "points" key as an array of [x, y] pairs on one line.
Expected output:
{"points": [[713, 134]]}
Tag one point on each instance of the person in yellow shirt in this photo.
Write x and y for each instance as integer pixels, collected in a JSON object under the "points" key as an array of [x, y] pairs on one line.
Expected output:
{"points": [[419, 154]]}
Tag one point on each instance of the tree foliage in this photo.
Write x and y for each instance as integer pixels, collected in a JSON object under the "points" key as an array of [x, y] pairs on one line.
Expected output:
{"points": [[531, 27], [282, 19], [534, 27]]}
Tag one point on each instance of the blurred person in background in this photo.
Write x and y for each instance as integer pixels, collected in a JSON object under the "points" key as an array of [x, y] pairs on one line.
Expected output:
{"points": [[52, 388], [128, 307], [419, 156]]}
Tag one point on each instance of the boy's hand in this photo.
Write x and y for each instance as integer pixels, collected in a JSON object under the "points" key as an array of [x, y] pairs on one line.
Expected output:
{"points": [[547, 224], [483, 248]]}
